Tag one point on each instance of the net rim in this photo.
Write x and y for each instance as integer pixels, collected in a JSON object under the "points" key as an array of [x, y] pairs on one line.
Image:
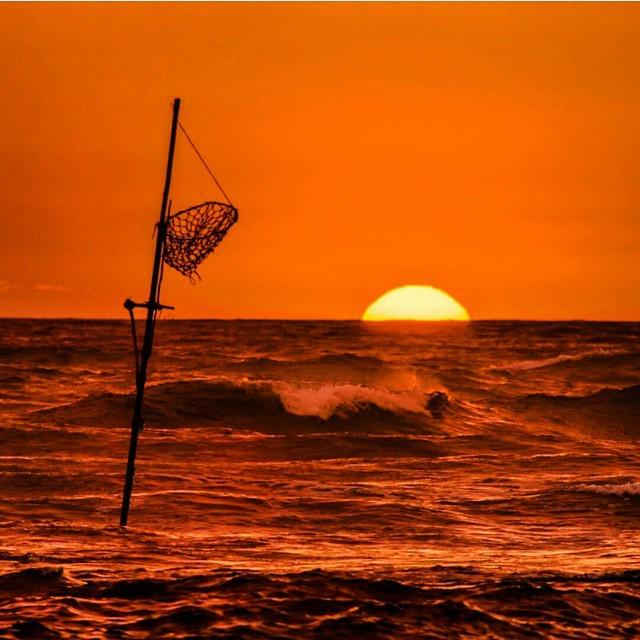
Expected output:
{"points": [[225, 205]]}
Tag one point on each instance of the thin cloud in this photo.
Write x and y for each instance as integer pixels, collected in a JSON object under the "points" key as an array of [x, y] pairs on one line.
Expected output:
{"points": [[7, 287], [55, 288]]}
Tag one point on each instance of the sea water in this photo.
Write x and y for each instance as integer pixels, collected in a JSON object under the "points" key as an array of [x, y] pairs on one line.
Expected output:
{"points": [[322, 480]]}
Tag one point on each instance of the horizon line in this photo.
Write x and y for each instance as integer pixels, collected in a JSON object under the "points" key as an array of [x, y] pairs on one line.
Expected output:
{"points": [[267, 319]]}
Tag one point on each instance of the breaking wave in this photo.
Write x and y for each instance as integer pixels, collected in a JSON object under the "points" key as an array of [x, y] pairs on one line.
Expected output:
{"points": [[344, 399], [270, 407]]}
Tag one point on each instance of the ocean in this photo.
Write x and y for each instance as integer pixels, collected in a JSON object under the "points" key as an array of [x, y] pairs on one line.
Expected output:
{"points": [[322, 480]]}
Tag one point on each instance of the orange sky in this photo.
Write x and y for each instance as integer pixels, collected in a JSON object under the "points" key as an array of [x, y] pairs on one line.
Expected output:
{"points": [[492, 151]]}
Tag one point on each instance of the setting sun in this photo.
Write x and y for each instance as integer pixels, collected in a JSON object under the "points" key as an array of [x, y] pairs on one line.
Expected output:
{"points": [[415, 302]]}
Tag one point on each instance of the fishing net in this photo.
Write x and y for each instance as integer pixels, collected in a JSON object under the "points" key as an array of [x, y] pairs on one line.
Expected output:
{"points": [[194, 233]]}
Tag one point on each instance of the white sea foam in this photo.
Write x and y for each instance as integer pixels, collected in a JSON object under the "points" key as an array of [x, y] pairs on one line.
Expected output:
{"points": [[624, 489], [341, 399]]}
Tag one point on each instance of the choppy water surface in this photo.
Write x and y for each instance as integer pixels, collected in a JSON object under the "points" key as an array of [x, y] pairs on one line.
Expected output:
{"points": [[322, 479]]}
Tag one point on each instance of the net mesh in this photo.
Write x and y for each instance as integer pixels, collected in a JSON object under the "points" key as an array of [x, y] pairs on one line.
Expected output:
{"points": [[194, 233]]}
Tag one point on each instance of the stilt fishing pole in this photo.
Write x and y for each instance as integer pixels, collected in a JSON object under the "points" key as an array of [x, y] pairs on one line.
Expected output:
{"points": [[183, 240], [152, 306]]}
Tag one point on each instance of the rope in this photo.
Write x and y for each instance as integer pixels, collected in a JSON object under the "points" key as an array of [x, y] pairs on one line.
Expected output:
{"points": [[204, 162], [136, 351]]}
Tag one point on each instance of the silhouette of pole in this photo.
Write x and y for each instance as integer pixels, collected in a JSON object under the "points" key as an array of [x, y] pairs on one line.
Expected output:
{"points": [[152, 306]]}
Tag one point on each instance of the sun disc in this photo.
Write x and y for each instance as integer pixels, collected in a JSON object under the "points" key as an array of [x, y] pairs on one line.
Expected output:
{"points": [[415, 302]]}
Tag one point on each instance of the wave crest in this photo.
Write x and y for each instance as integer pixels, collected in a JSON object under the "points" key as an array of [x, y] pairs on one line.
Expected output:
{"points": [[593, 355], [622, 490], [270, 407], [344, 399], [615, 412]]}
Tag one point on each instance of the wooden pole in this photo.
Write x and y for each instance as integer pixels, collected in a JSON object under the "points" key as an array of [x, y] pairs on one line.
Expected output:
{"points": [[152, 307]]}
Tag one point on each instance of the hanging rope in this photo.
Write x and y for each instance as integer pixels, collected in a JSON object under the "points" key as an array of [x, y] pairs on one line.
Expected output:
{"points": [[129, 305], [204, 162]]}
